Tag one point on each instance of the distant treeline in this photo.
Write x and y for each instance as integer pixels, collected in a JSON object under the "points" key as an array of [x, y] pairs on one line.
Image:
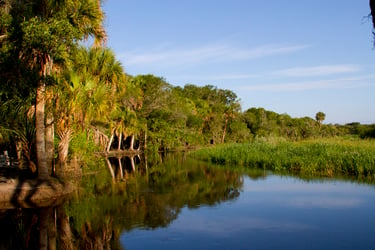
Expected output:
{"points": [[263, 123]]}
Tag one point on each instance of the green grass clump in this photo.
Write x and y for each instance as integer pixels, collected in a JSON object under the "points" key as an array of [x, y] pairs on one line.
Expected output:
{"points": [[324, 157]]}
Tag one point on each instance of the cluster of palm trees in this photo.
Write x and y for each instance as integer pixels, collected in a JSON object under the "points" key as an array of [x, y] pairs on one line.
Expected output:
{"points": [[44, 63]]}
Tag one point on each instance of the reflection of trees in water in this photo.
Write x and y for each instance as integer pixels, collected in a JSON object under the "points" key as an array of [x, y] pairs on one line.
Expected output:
{"points": [[38, 228], [119, 167], [149, 197], [155, 197], [50, 228], [119, 199]]}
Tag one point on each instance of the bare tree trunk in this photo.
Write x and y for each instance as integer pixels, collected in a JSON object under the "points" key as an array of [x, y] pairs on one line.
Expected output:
{"points": [[40, 131], [145, 146], [110, 141], [50, 133], [225, 130], [40, 127], [63, 147], [96, 136], [132, 142], [145, 160], [19, 150], [119, 141]]}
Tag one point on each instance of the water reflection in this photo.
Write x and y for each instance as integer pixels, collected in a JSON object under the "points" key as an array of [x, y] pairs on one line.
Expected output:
{"points": [[260, 219], [35, 228], [123, 194], [161, 201], [119, 167]]}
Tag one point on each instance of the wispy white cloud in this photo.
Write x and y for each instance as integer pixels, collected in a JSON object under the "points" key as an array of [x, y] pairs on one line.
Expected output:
{"points": [[216, 77], [284, 78], [216, 53], [321, 70], [311, 85]]}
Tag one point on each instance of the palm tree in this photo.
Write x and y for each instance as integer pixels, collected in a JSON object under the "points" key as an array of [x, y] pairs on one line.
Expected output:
{"points": [[65, 22], [19, 128], [80, 101], [125, 124], [106, 79], [320, 116], [88, 95]]}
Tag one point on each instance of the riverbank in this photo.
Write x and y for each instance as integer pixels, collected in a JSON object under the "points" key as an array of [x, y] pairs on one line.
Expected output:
{"points": [[26, 192]]}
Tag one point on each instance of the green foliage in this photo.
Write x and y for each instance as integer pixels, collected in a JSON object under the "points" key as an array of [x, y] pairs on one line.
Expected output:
{"points": [[83, 149], [317, 157], [320, 116], [263, 123], [46, 37]]}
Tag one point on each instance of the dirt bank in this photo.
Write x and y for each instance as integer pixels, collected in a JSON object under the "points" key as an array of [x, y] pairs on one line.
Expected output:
{"points": [[21, 192]]}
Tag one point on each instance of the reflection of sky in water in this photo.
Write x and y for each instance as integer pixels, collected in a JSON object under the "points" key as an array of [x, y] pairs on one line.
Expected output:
{"points": [[276, 212], [225, 225], [297, 193]]}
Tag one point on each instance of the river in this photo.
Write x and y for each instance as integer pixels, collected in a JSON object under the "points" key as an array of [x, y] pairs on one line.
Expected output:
{"points": [[181, 203]]}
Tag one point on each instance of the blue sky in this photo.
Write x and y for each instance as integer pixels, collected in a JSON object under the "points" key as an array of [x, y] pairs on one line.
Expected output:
{"points": [[289, 56]]}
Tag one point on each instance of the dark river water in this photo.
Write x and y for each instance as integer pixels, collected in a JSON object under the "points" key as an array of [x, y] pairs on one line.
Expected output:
{"points": [[180, 203]]}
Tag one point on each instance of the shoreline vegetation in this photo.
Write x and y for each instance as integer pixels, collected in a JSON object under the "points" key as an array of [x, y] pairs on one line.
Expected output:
{"points": [[329, 157]]}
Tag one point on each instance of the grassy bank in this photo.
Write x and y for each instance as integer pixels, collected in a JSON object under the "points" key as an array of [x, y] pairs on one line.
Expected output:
{"points": [[323, 157]]}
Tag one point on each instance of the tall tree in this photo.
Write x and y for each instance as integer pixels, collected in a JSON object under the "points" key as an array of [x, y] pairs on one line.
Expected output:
{"points": [[153, 102], [43, 32], [320, 116]]}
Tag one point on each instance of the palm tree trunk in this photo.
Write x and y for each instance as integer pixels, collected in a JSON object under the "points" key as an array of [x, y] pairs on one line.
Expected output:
{"points": [[110, 140], [119, 141], [40, 127], [225, 130], [145, 142], [132, 142], [110, 143], [63, 147], [40, 131], [50, 133], [19, 149]]}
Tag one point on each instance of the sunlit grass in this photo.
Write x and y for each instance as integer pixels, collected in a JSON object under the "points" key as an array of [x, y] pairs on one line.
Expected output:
{"points": [[323, 157]]}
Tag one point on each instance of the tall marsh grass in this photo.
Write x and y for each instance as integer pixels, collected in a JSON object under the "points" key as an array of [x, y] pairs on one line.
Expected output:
{"points": [[323, 157]]}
